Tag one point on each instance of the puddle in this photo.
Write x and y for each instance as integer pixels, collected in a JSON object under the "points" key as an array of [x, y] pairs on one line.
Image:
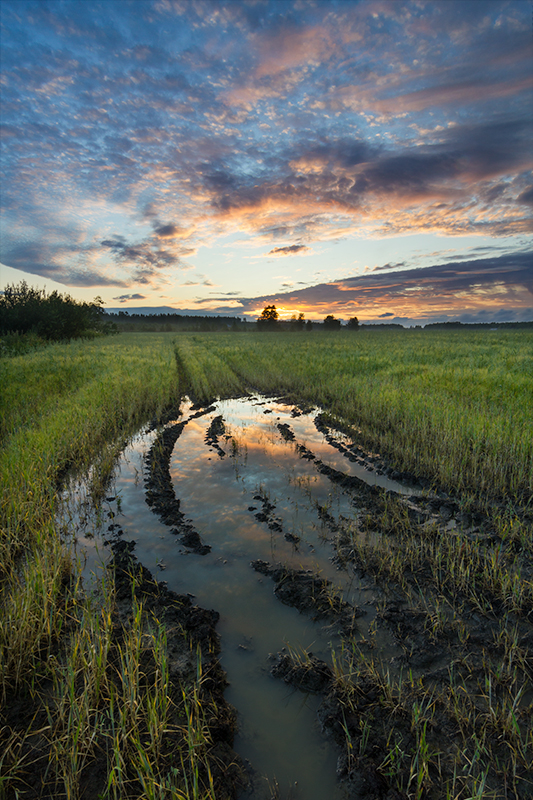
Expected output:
{"points": [[250, 496]]}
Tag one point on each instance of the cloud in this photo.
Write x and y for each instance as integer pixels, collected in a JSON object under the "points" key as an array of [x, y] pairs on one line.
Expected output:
{"points": [[289, 250], [142, 133], [388, 267], [123, 298], [497, 282], [526, 197], [54, 260], [460, 92], [168, 231]]}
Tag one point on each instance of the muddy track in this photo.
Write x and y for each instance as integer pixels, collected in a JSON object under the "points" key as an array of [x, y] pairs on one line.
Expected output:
{"points": [[190, 635], [360, 714]]}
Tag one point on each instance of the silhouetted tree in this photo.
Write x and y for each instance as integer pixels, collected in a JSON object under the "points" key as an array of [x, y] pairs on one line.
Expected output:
{"points": [[353, 324], [268, 320], [331, 323], [297, 323]]}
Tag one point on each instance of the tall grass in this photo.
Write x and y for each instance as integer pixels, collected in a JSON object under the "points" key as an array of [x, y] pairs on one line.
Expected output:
{"points": [[61, 408], [452, 405]]}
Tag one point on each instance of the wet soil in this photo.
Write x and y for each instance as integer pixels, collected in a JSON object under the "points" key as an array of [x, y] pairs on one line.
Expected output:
{"points": [[190, 632], [310, 594], [433, 634]]}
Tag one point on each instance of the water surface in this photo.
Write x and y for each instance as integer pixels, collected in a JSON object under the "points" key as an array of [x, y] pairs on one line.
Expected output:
{"points": [[221, 495]]}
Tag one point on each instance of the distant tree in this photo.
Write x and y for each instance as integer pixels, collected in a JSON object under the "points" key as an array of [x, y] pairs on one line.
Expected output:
{"points": [[331, 323], [353, 324], [297, 323], [269, 319], [309, 325]]}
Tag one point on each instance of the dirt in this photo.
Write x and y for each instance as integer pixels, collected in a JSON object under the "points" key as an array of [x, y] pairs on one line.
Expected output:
{"points": [[160, 495], [310, 674], [363, 720], [311, 595], [267, 515]]}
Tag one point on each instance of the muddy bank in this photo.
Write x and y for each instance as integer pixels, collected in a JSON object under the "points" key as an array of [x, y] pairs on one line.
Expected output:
{"points": [[310, 594], [159, 491]]}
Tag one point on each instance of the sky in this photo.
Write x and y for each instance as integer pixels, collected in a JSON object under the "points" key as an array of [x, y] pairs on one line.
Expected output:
{"points": [[368, 158]]}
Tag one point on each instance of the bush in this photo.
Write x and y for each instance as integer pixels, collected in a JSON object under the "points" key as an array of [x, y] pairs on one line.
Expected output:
{"points": [[24, 309]]}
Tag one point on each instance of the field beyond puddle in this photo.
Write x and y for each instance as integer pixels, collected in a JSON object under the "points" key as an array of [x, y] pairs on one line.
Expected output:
{"points": [[257, 482]]}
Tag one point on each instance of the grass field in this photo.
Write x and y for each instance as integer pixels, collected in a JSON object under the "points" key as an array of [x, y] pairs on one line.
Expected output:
{"points": [[454, 407]]}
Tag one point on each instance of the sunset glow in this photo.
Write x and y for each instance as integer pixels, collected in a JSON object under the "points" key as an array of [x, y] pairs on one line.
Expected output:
{"points": [[363, 158]]}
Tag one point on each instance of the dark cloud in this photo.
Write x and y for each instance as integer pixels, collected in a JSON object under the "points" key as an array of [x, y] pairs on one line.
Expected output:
{"points": [[389, 266], [114, 244], [458, 276], [167, 231], [526, 198], [124, 298], [388, 314], [455, 282], [346, 175], [54, 261], [288, 250]]}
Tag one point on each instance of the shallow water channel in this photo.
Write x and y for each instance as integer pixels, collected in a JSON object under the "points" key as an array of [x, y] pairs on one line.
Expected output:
{"points": [[223, 491]]}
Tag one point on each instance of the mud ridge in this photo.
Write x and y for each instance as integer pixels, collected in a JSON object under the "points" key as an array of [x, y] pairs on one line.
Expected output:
{"points": [[311, 595], [370, 461], [159, 491], [267, 515]]}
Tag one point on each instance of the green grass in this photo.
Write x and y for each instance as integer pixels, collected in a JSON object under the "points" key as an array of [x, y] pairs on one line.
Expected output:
{"points": [[452, 406]]}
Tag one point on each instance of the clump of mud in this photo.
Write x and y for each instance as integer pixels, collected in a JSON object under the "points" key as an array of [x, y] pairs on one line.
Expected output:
{"points": [[214, 432], [267, 515], [309, 673], [311, 595]]}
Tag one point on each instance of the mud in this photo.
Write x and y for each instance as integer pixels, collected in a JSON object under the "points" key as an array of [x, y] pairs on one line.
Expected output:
{"points": [[309, 675], [311, 595], [159, 491], [369, 723]]}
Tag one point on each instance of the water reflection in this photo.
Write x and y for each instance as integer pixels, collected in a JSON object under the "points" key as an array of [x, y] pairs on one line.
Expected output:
{"points": [[224, 492]]}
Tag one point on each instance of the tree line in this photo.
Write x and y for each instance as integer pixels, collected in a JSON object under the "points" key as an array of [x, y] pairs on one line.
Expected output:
{"points": [[25, 309], [269, 320]]}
